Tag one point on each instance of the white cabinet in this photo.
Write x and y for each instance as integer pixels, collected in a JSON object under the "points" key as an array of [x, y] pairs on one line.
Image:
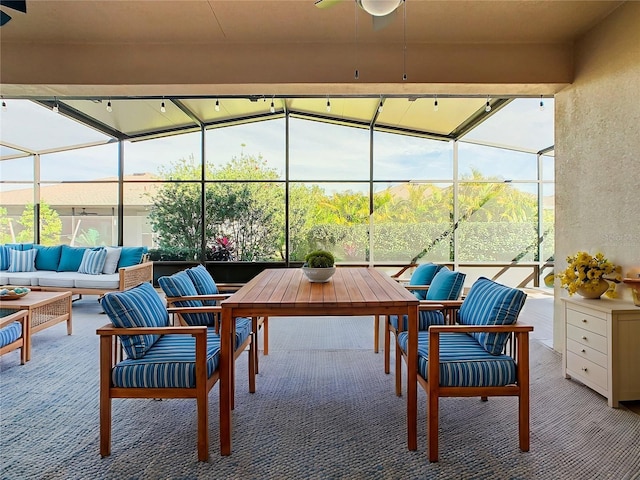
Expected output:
{"points": [[602, 346]]}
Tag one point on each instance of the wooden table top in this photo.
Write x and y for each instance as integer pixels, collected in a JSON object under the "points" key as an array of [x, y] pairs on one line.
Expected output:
{"points": [[348, 288], [33, 299]]}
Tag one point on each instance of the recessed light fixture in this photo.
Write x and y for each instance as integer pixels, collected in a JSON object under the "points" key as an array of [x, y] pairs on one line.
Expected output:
{"points": [[380, 106], [487, 107], [435, 103], [328, 105], [55, 108], [163, 109], [109, 108], [541, 104], [217, 107], [272, 108]]}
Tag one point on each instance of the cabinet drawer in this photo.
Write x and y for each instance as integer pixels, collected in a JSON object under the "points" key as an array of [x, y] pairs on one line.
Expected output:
{"points": [[588, 322], [587, 338], [587, 352], [587, 371]]}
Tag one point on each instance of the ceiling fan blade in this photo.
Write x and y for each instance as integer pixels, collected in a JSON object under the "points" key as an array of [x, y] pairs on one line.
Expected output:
{"points": [[19, 5], [4, 18], [382, 22], [326, 3]]}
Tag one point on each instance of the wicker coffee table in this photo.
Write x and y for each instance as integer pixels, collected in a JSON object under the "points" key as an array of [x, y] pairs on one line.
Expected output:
{"points": [[45, 309]]}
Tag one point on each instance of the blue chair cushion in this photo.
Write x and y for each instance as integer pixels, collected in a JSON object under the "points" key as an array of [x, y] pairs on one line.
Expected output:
{"points": [[70, 258], [446, 285], [139, 306], [48, 258], [490, 303], [5, 257], [130, 256], [426, 318], [169, 363], [463, 362], [423, 275], [204, 283], [10, 333], [22, 260], [93, 261], [243, 330]]}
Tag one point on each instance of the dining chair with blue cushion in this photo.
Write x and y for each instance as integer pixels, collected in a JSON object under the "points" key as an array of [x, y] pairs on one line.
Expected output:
{"points": [[470, 359], [162, 361], [418, 284], [444, 289], [14, 332]]}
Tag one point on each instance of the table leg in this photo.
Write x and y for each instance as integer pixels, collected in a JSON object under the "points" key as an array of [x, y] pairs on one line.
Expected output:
{"points": [[226, 386], [412, 381]]}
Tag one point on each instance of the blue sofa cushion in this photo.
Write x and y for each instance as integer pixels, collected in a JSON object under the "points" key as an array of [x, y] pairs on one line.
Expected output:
{"points": [[10, 333], [169, 363], [48, 258], [463, 362], [93, 261], [22, 261], [423, 275], [137, 307], [446, 285], [204, 283], [490, 303], [426, 318], [70, 258], [130, 256], [5, 257], [20, 246]]}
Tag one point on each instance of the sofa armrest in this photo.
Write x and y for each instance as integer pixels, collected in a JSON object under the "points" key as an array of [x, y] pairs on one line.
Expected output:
{"points": [[135, 275]]}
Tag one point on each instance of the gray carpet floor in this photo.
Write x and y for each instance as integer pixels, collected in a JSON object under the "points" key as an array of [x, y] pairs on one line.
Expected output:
{"points": [[324, 409]]}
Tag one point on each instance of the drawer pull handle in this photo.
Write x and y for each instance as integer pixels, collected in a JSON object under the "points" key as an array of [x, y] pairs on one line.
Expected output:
{"points": [[584, 369], [584, 338]]}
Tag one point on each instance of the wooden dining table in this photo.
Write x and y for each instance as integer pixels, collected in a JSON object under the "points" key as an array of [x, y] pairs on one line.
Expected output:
{"points": [[287, 292]]}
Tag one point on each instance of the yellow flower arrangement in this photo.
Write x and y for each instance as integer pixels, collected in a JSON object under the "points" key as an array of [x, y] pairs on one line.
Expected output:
{"points": [[585, 271]]}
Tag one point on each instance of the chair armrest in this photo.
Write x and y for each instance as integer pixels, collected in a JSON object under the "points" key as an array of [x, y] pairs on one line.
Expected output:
{"points": [[516, 328], [110, 330], [203, 309], [397, 275], [213, 296], [229, 287], [423, 288], [17, 316], [427, 306]]}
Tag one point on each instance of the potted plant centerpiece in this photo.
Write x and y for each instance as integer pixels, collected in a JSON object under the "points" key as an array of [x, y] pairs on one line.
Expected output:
{"points": [[319, 266], [588, 274]]}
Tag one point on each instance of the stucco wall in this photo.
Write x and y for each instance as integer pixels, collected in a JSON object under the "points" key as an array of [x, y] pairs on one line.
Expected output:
{"points": [[598, 151]]}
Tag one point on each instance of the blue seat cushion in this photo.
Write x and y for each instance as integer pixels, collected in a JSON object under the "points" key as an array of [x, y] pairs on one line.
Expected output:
{"points": [[243, 330], [169, 363], [423, 275], [10, 333], [463, 362], [137, 307], [204, 283], [446, 285], [490, 303], [426, 318]]}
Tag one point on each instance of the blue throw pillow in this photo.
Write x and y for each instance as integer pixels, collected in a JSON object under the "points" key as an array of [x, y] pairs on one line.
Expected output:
{"points": [[22, 261], [70, 258], [490, 303], [446, 285], [93, 261], [139, 306], [204, 283], [5, 257], [131, 256], [423, 276], [48, 258]]}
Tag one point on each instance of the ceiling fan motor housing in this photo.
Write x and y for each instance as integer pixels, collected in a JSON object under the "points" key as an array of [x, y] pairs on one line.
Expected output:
{"points": [[379, 8]]}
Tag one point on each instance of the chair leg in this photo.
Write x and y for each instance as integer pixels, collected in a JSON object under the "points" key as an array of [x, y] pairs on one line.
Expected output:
{"points": [[253, 362], [105, 398], [432, 426], [265, 336], [203, 424], [398, 366], [376, 333], [387, 346]]}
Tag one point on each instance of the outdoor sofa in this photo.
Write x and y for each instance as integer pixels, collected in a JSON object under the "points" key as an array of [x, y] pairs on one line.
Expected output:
{"points": [[81, 270]]}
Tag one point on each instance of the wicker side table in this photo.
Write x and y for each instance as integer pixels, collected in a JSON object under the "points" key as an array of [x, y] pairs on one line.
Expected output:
{"points": [[44, 310]]}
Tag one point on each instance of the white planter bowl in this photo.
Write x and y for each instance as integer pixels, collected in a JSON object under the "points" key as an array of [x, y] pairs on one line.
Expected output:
{"points": [[319, 275]]}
